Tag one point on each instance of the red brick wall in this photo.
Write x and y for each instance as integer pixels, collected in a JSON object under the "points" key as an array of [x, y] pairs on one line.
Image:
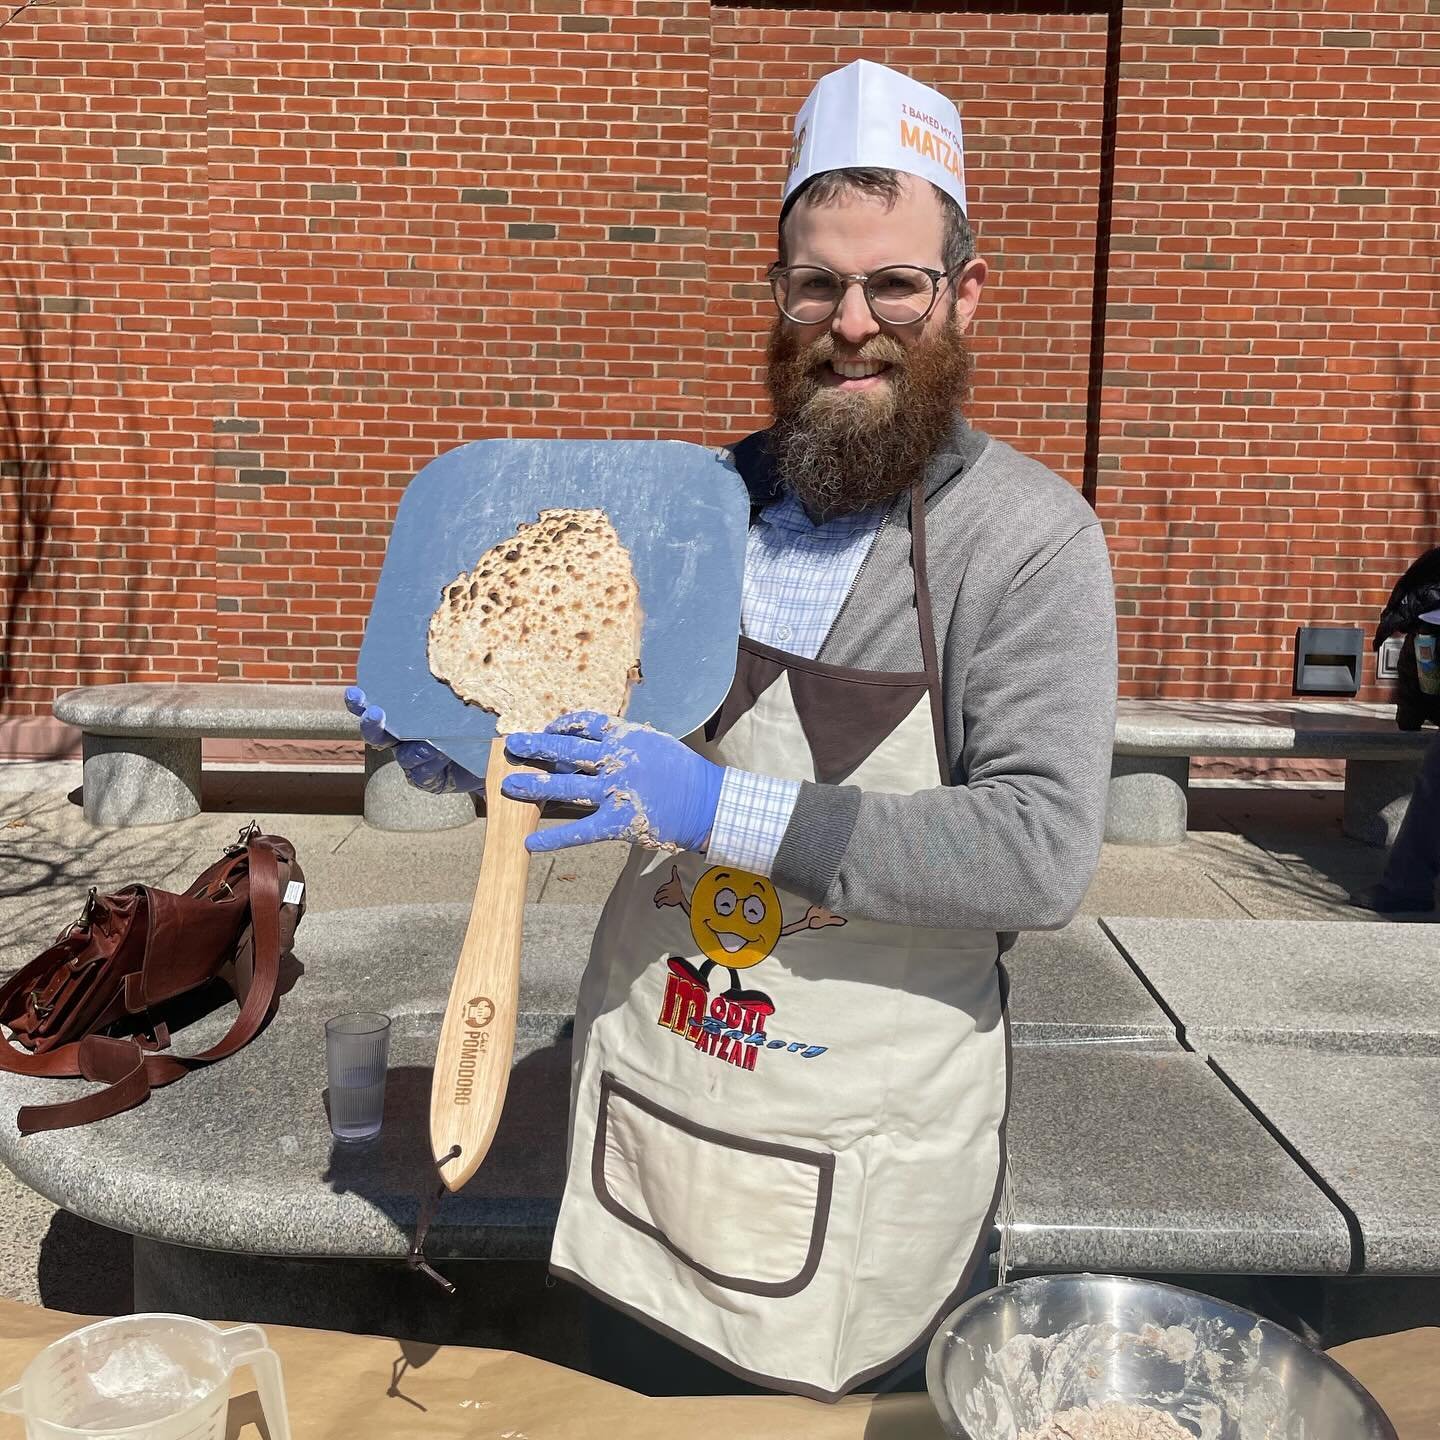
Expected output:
{"points": [[424, 222], [274, 258], [1270, 448], [104, 330]]}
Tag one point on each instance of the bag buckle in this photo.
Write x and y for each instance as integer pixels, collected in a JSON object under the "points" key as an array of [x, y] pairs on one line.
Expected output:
{"points": [[246, 835], [87, 911], [41, 1011]]}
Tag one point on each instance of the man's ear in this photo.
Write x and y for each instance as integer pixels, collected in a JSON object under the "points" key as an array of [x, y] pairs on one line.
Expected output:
{"points": [[967, 286]]}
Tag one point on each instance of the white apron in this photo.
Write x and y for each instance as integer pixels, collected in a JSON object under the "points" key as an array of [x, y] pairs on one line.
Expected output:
{"points": [[786, 1126]]}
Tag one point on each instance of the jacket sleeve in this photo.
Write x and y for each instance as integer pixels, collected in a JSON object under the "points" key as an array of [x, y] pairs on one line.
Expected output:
{"points": [[1013, 843]]}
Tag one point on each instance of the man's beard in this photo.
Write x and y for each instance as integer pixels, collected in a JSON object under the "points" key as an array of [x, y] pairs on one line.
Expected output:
{"points": [[840, 451]]}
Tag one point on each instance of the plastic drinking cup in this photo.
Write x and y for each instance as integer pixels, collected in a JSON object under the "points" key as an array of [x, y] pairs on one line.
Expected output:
{"points": [[357, 1048], [145, 1377]]}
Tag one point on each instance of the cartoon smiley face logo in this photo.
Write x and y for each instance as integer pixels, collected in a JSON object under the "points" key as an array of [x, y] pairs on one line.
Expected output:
{"points": [[797, 148], [479, 1012], [735, 917]]}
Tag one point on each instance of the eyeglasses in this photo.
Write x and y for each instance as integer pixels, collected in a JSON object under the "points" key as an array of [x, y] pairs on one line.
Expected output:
{"points": [[896, 294]]}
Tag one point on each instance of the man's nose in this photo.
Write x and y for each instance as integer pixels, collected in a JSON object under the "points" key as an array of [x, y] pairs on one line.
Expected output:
{"points": [[852, 322]]}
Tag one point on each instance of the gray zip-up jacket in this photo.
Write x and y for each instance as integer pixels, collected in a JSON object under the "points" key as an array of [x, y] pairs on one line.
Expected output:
{"points": [[1024, 609]]}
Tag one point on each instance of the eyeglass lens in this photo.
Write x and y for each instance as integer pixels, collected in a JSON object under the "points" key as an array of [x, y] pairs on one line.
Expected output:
{"points": [[900, 294]]}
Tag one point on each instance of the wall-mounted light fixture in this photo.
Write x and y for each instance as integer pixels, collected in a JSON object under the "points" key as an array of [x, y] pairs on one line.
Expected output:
{"points": [[1328, 661]]}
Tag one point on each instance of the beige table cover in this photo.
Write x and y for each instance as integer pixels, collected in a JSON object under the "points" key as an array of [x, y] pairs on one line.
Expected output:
{"points": [[360, 1387], [1402, 1372]]}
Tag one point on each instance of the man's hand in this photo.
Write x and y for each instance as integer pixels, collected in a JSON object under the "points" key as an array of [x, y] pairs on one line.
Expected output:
{"points": [[424, 766], [646, 786]]}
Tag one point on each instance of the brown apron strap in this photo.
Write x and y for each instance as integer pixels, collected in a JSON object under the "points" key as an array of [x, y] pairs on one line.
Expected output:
{"points": [[926, 616], [128, 1073]]}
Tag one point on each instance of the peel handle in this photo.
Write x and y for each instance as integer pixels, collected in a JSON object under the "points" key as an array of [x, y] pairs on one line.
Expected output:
{"points": [[477, 1035]]}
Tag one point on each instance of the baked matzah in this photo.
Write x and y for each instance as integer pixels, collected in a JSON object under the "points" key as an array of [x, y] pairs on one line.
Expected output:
{"points": [[547, 622]]}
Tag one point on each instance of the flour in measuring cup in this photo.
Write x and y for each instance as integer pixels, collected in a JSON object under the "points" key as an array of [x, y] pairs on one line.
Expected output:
{"points": [[140, 1382]]}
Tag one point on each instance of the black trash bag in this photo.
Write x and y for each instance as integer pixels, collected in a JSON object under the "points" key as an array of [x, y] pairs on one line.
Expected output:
{"points": [[1416, 592]]}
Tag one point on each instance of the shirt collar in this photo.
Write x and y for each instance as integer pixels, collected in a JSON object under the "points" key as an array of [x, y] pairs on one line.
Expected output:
{"points": [[789, 515]]}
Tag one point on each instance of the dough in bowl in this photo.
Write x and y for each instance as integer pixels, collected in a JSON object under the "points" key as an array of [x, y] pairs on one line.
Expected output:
{"points": [[1112, 1421]]}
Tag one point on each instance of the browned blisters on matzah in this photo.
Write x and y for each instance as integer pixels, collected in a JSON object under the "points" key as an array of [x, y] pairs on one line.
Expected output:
{"points": [[547, 622]]}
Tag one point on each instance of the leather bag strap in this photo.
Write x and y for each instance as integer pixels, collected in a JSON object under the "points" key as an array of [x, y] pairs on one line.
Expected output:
{"points": [[120, 1064], [265, 925], [128, 1073], [63, 1060]]}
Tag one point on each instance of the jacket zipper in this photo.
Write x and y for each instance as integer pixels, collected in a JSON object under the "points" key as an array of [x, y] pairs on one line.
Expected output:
{"points": [[855, 582]]}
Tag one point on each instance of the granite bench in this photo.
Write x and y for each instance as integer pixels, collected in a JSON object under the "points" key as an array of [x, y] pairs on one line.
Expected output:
{"points": [[1128, 1152], [142, 754], [142, 749], [1155, 741]]}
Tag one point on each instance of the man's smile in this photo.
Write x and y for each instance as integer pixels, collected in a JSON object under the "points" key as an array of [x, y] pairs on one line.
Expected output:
{"points": [[854, 374]]}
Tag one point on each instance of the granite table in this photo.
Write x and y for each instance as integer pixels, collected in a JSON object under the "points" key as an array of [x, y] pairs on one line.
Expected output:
{"points": [[202, 1163], [1334, 985], [1133, 1161], [1074, 986], [1127, 1152], [1368, 1126], [1331, 1032], [239, 1201]]}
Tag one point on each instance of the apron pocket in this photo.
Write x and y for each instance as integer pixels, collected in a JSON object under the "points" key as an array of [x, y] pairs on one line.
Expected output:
{"points": [[745, 1214]]}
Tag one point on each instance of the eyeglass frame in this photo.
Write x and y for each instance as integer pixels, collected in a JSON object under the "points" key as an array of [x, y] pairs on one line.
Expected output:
{"points": [[863, 280]]}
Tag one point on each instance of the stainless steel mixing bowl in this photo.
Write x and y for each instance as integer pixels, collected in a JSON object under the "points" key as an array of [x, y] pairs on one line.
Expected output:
{"points": [[1008, 1360]]}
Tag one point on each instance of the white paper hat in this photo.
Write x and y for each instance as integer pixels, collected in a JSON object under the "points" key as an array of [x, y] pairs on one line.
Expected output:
{"points": [[867, 114]]}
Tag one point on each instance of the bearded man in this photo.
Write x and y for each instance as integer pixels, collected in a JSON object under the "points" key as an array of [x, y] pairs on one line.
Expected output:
{"points": [[794, 1175]]}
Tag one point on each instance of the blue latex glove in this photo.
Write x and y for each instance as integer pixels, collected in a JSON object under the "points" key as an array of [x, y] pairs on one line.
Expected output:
{"points": [[646, 786], [424, 766]]}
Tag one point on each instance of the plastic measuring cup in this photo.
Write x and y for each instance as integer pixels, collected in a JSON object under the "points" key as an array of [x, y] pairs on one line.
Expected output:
{"points": [[145, 1377]]}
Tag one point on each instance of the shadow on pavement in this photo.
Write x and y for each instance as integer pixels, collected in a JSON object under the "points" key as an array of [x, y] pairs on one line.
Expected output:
{"points": [[1308, 857]]}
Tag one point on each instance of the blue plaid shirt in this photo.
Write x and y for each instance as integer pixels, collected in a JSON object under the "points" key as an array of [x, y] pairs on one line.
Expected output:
{"points": [[797, 576]]}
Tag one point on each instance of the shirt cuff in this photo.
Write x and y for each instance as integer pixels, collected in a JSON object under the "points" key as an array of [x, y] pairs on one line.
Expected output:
{"points": [[750, 820]]}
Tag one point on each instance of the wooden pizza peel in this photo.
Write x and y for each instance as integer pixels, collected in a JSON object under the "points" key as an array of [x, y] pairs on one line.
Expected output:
{"points": [[682, 513]]}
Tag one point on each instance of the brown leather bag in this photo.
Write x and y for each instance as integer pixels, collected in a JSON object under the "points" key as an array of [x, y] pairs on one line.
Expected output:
{"points": [[95, 1003]]}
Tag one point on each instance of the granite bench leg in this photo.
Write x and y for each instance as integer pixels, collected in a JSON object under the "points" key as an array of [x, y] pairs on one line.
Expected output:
{"points": [[393, 803], [1377, 794], [1149, 799], [140, 780]]}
